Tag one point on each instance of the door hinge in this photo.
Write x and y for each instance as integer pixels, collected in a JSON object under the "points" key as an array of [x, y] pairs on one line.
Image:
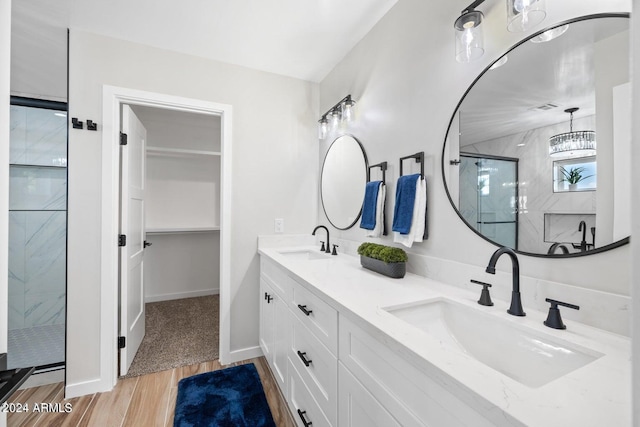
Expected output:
{"points": [[122, 240], [123, 138], [122, 342]]}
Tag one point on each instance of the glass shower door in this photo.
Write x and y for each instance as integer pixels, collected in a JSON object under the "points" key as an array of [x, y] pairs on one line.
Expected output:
{"points": [[37, 233], [488, 196]]}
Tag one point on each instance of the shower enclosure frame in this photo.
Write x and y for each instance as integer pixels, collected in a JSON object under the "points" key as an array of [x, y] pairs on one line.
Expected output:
{"points": [[63, 107], [516, 187]]}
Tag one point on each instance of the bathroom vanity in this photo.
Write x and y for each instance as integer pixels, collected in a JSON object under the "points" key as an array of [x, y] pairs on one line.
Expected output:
{"points": [[349, 347]]}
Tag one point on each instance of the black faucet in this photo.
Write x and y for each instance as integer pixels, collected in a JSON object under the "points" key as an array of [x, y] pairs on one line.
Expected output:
{"points": [[327, 230], [516, 302], [583, 227], [557, 245]]}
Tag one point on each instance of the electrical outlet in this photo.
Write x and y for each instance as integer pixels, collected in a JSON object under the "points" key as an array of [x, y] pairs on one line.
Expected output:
{"points": [[278, 225]]}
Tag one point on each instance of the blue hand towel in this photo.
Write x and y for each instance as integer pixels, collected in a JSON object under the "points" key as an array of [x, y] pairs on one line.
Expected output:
{"points": [[369, 205], [405, 199]]}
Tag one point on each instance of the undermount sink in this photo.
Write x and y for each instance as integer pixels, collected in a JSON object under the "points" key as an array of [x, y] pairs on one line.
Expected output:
{"points": [[525, 355], [305, 254]]}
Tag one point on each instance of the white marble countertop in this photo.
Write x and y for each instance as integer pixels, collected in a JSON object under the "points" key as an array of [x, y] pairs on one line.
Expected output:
{"points": [[597, 394]]}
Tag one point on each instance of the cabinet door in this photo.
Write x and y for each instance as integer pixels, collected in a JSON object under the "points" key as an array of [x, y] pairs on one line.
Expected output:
{"points": [[281, 319], [267, 321], [274, 332], [357, 407]]}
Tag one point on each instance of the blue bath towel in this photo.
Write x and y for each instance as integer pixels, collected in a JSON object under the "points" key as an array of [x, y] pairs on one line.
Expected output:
{"points": [[405, 199], [369, 206]]}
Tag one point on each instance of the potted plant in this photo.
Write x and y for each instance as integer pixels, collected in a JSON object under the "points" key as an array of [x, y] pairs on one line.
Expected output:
{"points": [[383, 259], [573, 176]]}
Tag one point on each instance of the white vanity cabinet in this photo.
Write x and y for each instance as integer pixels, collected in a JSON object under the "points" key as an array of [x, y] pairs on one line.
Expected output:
{"points": [[334, 373]]}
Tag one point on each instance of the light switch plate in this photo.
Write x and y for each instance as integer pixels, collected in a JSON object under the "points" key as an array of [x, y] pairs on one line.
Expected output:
{"points": [[278, 225]]}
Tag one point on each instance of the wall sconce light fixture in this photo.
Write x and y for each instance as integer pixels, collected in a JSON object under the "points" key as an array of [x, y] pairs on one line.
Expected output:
{"points": [[342, 111], [581, 142], [469, 38], [523, 15]]}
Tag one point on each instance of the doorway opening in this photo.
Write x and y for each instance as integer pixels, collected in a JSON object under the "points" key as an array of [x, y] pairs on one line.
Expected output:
{"points": [[170, 215], [114, 98]]}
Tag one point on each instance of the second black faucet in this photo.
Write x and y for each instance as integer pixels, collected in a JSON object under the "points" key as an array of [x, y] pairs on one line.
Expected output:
{"points": [[327, 250]]}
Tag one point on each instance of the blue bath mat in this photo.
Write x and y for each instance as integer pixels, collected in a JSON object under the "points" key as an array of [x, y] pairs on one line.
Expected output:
{"points": [[231, 397]]}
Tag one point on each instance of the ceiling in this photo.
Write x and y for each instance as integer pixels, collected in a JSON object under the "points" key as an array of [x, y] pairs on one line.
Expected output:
{"points": [[507, 100], [302, 39]]}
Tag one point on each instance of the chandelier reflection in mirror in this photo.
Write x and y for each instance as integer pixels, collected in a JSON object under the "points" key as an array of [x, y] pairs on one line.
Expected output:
{"points": [[582, 143]]}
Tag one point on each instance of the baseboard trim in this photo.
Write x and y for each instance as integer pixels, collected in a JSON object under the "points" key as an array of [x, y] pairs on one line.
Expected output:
{"points": [[181, 295], [84, 388], [44, 378], [240, 355]]}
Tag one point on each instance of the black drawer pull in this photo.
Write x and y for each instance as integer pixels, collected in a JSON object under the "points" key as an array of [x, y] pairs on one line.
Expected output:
{"points": [[268, 297], [303, 308], [304, 359], [304, 420]]}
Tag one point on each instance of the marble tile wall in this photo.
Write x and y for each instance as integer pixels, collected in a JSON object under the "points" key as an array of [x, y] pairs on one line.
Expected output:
{"points": [[37, 218], [536, 196]]}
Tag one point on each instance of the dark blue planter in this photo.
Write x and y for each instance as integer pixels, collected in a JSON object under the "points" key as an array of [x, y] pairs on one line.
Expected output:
{"points": [[395, 270]]}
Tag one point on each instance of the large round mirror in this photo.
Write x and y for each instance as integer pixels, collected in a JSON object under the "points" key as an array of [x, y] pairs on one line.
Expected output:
{"points": [[536, 154], [343, 180]]}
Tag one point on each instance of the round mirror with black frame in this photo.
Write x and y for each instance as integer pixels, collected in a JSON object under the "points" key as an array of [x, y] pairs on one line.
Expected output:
{"points": [[535, 153], [342, 181]]}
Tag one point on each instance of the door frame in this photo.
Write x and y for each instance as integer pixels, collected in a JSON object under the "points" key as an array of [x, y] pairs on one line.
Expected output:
{"points": [[113, 98]]}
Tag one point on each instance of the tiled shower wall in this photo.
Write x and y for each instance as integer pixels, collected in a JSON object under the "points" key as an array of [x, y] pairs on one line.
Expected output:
{"points": [[37, 217]]}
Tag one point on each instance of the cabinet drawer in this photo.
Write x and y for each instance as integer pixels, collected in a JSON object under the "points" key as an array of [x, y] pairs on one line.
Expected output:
{"points": [[277, 278], [409, 394], [317, 367], [317, 315], [303, 407]]}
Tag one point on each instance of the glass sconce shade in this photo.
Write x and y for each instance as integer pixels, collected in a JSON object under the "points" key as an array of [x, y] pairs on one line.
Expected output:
{"points": [[524, 14], [469, 38], [347, 110], [323, 125], [570, 143], [335, 119], [551, 34]]}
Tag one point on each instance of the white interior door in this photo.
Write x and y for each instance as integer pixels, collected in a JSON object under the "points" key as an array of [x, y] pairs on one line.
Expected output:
{"points": [[132, 213]]}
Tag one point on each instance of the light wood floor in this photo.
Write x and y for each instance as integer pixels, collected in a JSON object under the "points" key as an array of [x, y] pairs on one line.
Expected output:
{"points": [[148, 400]]}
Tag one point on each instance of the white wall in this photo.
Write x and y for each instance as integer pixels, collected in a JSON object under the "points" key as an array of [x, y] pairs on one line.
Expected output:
{"points": [[5, 61], [38, 59], [635, 218], [407, 83], [182, 265], [275, 159]]}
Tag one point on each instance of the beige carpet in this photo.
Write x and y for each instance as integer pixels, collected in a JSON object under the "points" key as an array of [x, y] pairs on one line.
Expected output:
{"points": [[178, 333]]}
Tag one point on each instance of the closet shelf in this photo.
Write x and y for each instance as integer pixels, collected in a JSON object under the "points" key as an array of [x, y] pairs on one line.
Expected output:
{"points": [[181, 230], [161, 151]]}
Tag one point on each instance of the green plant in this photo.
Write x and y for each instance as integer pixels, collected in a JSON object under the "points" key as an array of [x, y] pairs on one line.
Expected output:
{"points": [[573, 175], [383, 253]]}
